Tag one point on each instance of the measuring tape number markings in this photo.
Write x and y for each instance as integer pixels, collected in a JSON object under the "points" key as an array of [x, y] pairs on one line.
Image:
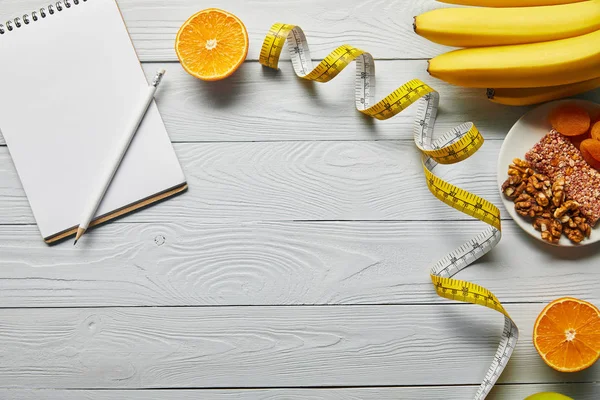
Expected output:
{"points": [[453, 147]]}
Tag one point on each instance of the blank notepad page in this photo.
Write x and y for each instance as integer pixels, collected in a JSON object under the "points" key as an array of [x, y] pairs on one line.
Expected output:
{"points": [[70, 83]]}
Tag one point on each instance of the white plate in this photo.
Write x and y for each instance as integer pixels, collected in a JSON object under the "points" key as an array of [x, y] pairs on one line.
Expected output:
{"points": [[523, 135]]}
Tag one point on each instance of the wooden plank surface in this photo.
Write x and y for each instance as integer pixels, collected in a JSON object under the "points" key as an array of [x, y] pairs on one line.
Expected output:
{"points": [[381, 27], [182, 264], [259, 104], [317, 180], [296, 265], [225, 347], [579, 391]]}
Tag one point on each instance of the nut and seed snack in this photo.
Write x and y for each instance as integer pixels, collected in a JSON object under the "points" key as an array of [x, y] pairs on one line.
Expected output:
{"points": [[556, 157], [537, 197]]}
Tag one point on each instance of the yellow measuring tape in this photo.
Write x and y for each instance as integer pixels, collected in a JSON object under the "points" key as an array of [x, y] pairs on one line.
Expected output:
{"points": [[454, 146]]}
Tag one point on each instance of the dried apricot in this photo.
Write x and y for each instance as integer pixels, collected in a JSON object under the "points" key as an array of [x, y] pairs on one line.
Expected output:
{"points": [[576, 140], [570, 120], [590, 150], [595, 131]]}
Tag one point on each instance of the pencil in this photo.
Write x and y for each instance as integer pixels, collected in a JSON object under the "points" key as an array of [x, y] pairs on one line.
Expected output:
{"points": [[120, 152]]}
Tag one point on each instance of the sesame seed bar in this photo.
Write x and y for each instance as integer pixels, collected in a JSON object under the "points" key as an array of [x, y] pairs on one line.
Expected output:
{"points": [[556, 157]]}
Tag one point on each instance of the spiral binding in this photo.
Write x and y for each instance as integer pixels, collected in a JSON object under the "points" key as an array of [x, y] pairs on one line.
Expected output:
{"points": [[35, 16]]}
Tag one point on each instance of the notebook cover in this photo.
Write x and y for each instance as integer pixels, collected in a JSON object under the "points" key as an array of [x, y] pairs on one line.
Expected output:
{"points": [[136, 205], [125, 210], [119, 213]]}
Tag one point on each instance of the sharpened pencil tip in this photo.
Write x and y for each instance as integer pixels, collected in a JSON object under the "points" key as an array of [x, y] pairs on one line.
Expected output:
{"points": [[80, 232]]}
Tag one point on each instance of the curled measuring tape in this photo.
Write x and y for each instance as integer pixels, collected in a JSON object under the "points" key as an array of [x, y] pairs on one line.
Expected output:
{"points": [[455, 146]]}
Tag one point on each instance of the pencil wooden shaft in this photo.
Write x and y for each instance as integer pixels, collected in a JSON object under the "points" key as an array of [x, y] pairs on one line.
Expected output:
{"points": [[120, 150]]}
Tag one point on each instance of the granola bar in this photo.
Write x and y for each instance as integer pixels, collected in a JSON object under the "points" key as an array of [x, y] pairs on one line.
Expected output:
{"points": [[556, 157]]}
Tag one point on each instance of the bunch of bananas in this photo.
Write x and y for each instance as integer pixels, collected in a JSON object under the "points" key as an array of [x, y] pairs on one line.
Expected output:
{"points": [[523, 51]]}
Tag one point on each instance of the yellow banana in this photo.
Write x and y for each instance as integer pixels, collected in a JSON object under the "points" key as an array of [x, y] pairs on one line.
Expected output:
{"points": [[509, 3], [558, 62], [527, 96], [484, 26]]}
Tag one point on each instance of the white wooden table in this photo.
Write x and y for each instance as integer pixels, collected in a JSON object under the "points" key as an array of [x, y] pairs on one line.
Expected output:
{"points": [[296, 266]]}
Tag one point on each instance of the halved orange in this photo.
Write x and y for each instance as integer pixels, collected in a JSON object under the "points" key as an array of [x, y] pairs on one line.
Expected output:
{"points": [[567, 334], [212, 44]]}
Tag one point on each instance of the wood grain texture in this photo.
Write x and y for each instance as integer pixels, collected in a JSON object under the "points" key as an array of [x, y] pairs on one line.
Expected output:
{"points": [[224, 347], [579, 391], [296, 181], [258, 104], [247, 281], [381, 27], [278, 264]]}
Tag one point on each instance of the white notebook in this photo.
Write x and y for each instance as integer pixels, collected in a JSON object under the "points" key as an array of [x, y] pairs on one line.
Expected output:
{"points": [[70, 78]]}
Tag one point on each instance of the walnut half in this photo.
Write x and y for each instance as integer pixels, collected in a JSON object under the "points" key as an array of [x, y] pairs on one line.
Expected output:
{"points": [[551, 228], [536, 197]]}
